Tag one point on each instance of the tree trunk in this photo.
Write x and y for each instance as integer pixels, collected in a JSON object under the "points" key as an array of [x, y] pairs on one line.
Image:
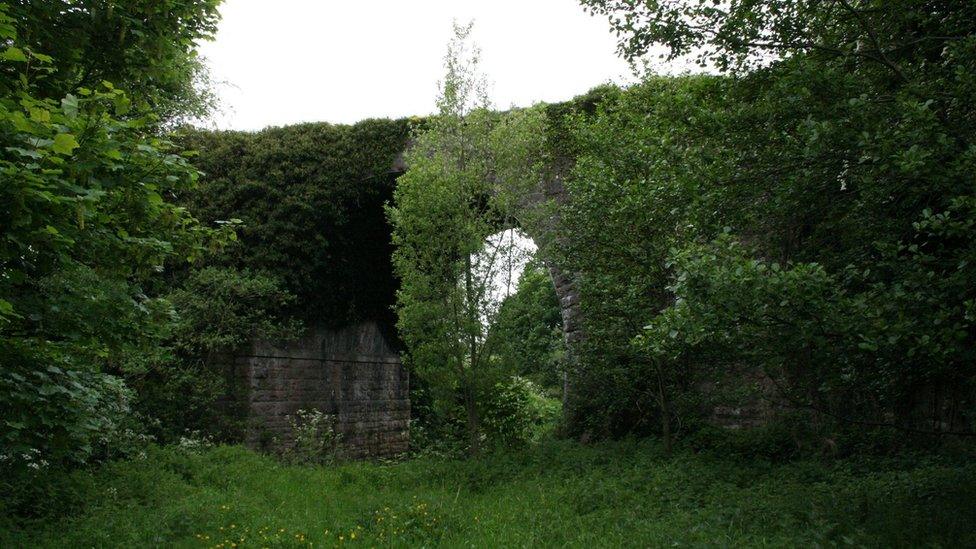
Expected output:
{"points": [[470, 405], [474, 422], [665, 414]]}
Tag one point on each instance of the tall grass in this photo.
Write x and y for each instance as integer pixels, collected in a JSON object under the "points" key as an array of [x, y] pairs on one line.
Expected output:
{"points": [[554, 494]]}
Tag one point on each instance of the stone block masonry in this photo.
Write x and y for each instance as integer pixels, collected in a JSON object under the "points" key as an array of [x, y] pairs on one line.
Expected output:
{"points": [[353, 374]]}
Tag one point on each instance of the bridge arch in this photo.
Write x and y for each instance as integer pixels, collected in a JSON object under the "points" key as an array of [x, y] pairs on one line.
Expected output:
{"points": [[548, 197]]}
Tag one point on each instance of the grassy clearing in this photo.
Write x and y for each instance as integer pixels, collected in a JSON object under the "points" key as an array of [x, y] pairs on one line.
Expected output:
{"points": [[555, 494]]}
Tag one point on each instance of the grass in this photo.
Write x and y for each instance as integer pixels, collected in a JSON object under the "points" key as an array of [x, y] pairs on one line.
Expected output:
{"points": [[624, 494]]}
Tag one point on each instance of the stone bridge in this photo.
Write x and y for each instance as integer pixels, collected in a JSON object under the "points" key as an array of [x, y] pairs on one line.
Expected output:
{"points": [[354, 374]]}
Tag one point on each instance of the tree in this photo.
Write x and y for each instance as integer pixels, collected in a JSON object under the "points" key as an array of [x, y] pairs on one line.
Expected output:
{"points": [[147, 47], [837, 150], [445, 213], [745, 34], [87, 223], [528, 332], [639, 186]]}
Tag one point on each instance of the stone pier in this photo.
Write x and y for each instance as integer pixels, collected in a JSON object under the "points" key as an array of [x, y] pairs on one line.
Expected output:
{"points": [[353, 374]]}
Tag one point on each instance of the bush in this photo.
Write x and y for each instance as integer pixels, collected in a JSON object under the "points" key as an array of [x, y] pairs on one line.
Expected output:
{"points": [[527, 334], [56, 419], [314, 438], [516, 412], [214, 312], [57, 416]]}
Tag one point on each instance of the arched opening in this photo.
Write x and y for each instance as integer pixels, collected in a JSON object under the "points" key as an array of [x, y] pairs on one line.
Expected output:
{"points": [[527, 323]]}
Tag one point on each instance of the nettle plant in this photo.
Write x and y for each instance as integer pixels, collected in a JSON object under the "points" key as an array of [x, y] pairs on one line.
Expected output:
{"points": [[315, 437]]}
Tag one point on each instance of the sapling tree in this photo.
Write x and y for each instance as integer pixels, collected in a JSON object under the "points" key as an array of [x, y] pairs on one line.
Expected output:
{"points": [[452, 249]]}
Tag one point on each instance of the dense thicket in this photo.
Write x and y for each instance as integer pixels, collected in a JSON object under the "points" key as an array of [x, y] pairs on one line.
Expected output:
{"points": [[310, 203], [804, 221], [86, 217]]}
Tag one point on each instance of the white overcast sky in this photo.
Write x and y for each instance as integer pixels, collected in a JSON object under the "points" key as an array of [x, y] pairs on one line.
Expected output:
{"points": [[288, 61]]}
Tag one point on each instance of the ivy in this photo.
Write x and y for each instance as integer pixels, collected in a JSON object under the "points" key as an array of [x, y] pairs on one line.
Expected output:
{"points": [[310, 198]]}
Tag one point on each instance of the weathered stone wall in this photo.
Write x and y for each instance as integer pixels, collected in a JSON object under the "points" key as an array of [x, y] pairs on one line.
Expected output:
{"points": [[353, 374]]}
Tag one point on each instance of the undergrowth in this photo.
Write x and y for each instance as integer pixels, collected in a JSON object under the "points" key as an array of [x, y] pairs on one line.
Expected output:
{"points": [[552, 494]]}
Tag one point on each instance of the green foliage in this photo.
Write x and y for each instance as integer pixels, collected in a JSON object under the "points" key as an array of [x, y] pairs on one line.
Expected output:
{"points": [[86, 224], [850, 346], [638, 187], [516, 412], [147, 45], [447, 216], [528, 330], [215, 312], [748, 34], [221, 309], [621, 495], [315, 440], [310, 200], [838, 152], [53, 415]]}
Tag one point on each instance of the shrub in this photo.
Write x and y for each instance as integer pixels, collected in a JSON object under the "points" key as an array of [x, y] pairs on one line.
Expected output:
{"points": [[214, 311], [516, 412], [314, 438]]}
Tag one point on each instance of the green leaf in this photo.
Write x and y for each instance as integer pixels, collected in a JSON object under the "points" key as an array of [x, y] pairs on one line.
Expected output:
{"points": [[122, 105], [14, 54], [40, 115], [69, 106], [25, 152], [20, 122], [65, 143], [7, 30]]}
